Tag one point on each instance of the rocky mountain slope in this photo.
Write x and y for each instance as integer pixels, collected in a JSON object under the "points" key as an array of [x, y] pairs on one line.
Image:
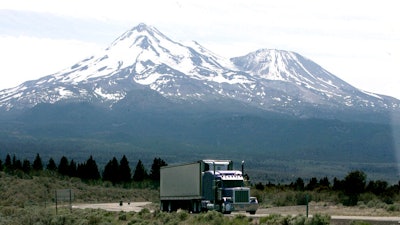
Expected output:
{"points": [[144, 58], [146, 93]]}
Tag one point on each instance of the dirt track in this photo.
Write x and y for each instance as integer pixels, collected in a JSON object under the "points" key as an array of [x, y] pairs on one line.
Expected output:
{"points": [[127, 207]]}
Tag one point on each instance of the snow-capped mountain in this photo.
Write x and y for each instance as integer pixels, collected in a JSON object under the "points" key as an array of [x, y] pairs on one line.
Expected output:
{"points": [[296, 80], [147, 95], [143, 57]]}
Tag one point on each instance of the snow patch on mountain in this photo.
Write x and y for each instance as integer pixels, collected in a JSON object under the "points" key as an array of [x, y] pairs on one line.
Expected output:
{"points": [[109, 96], [267, 78]]}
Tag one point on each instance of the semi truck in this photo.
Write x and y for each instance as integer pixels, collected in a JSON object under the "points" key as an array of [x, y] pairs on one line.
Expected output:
{"points": [[205, 185]]}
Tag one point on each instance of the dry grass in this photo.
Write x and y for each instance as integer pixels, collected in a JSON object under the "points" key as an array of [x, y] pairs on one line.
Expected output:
{"points": [[330, 209], [40, 190], [30, 200]]}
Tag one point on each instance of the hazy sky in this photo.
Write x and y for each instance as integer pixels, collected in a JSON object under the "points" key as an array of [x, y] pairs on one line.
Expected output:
{"points": [[358, 41]]}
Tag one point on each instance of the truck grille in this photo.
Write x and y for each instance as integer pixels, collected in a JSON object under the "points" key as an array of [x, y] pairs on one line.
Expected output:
{"points": [[241, 196]]}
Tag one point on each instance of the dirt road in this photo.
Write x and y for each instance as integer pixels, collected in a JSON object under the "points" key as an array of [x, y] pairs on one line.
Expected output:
{"points": [[127, 207]]}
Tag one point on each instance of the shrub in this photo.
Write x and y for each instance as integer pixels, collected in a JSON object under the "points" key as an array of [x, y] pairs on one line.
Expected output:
{"points": [[183, 215], [145, 214], [273, 219], [393, 208], [359, 223], [298, 220], [122, 216], [240, 219], [319, 219], [302, 198], [211, 217]]}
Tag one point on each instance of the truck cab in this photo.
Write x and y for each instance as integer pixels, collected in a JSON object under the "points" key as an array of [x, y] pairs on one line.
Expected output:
{"points": [[224, 188]]}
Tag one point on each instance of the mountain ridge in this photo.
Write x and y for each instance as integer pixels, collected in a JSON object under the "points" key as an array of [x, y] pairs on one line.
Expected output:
{"points": [[273, 80], [147, 93]]}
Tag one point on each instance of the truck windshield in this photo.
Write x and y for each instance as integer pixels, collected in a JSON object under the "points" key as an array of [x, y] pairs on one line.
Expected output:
{"points": [[232, 183]]}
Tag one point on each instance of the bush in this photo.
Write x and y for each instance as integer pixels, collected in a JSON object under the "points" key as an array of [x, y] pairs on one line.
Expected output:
{"points": [[302, 198], [359, 223], [211, 217], [273, 219], [241, 219], [183, 215], [393, 208], [299, 220], [122, 216], [319, 219]]}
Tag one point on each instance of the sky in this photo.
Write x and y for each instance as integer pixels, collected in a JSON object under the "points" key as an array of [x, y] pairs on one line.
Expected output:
{"points": [[358, 41]]}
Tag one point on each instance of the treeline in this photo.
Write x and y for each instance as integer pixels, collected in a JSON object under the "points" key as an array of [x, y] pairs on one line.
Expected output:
{"points": [[114, 171], [352, 186]]}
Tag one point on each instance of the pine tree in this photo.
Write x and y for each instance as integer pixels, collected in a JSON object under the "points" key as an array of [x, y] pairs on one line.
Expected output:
{"points": [[140, 172], [110, 172], [354, 184], [155, 168], [324, 182], [1, 165], [299, 184], [37, 163], [88, 170], [17, 164], [124, 170], [72, 171], [93, 169], [63, 167], [51, 165], [7, 163], [80, 170], [26, 166], [312, 184]]}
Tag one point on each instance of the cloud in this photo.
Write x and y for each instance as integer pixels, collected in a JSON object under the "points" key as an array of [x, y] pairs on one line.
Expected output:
{"points": [[30, 58]]}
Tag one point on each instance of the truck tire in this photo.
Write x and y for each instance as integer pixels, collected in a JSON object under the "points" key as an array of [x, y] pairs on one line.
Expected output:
{"points": [[169, 207], [164, 206], [196, 207]]}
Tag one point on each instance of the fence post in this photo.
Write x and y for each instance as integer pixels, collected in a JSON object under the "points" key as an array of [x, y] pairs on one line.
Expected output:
{"points": [[307, 205], [55, 192]]}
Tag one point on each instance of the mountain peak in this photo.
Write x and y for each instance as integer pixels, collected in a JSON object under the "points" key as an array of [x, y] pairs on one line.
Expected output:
{"points": [[144, 28], [139, 32], [141, 27], [269, 79]]}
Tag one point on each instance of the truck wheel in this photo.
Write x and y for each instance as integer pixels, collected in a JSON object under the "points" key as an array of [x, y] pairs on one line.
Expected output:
{"points": [[162, 206], [195, 207], [169, 206]]}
